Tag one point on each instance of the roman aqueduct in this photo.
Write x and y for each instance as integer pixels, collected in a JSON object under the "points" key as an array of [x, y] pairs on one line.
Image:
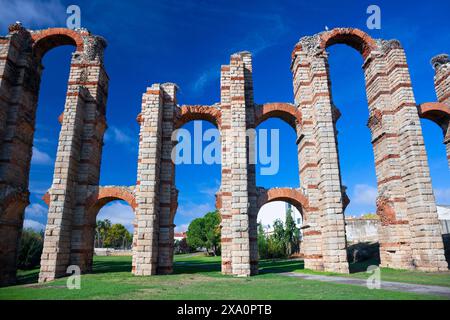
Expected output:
{"points": [[409, 234]]}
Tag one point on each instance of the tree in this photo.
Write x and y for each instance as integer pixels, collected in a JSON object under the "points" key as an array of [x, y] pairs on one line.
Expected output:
{"points": [[205, 233], [212, 231], [370, 216], [263, 248], [195, 234], [101, 231], [283, 241], [118, 237], [30, 249], [291, 234]]}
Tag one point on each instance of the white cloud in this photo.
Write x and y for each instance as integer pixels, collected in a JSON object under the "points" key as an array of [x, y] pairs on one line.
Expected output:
{"points": [[364, 194], [182, 228], [36, 210], [442, 196], [31, 224], [253, 41], [118, 212], [204, 78], [118, 136], [193, 210], [209, 191], [40, 157], [32, 13]]}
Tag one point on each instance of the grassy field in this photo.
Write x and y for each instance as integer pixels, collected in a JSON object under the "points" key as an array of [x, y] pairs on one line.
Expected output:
{"points": [[199, 277], [357, 270]]}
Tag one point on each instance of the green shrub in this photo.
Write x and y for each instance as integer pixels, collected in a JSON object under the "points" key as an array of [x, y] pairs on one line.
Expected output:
{"points": [[30, 249]]}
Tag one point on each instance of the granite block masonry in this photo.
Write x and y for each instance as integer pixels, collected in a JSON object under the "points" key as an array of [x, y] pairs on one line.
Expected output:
{"points": [[409, 232]]}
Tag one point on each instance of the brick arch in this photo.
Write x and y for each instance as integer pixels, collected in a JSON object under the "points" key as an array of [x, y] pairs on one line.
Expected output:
{"points": [[435, 111], [108, 194], [352, 37], [285, 111], [45, 40], [105, 195], [290, 195], [185, 113]]}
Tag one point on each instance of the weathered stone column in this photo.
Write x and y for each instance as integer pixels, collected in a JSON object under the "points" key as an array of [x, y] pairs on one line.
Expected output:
{"points": [[89, 73], [425, 236], [311, 247], [235, 189], [167, 182], [57, 245], [393, 232], [18, 92], [251, 165], [148, 182], [223, 197], [329, 197], [77, 167], [441, 65]]}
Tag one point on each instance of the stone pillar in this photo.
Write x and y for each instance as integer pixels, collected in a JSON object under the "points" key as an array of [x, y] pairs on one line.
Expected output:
{"points": [[235, 189], [77, 168], [327, 193], [167, 183], [18, 92], [93, 77], [425, 236], [148, 182], [57, 245], [251, 165], [311, 248], [393, 231], [223, 197], [441, 65]]}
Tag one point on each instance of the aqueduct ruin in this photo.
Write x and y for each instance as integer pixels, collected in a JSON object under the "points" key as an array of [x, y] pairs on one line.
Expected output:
{"points": [[409, 234]]}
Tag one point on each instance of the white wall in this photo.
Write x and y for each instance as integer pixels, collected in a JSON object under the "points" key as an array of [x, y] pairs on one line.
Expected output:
{"points": [[443, 212]]}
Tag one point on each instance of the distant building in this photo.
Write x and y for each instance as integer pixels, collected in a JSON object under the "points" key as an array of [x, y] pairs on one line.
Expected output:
{"points": [[277, 210], [359, 229], [444, 217], [443, 212], [179, 236]]}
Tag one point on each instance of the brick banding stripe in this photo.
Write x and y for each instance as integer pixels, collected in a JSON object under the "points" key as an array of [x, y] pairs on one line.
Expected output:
{"points": [[389, 179]]}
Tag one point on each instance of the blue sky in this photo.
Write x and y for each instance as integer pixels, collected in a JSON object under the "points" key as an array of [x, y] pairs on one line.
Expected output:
{"points": [[186, 42]]}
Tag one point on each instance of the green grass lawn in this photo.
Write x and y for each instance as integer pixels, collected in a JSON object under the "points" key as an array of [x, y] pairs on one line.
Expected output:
{"points": [[195, 277], [418, 277]]}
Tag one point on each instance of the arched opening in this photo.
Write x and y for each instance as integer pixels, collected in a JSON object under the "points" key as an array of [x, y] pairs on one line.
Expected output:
{"points": [[275, 156], [354, 142], [50, 106], [275, 145], [358, 158], [197, 178], [109, 230], [281, 225]]}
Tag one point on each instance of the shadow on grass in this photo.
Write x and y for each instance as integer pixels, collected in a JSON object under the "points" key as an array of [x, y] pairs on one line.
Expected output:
{"points": [[111, 266], [190, 267], [280, 266], [265, 266], [27, 276]]}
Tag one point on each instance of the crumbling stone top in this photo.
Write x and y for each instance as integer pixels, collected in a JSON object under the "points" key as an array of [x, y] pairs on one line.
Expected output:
{"points": [[440, 60]]}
